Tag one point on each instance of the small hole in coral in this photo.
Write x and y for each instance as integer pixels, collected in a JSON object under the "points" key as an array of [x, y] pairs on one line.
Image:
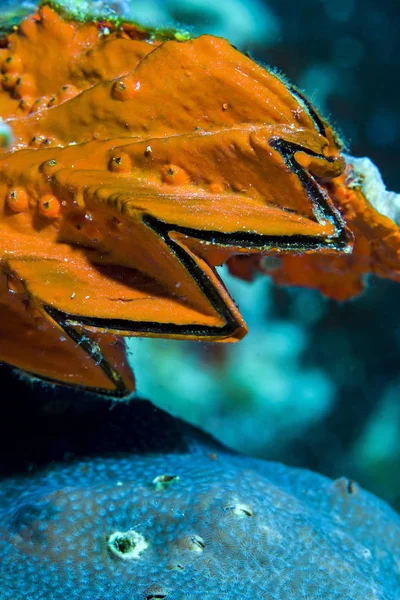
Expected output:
{"points": [[127, 545], [352, 487], [240, 510], [163, 481]]}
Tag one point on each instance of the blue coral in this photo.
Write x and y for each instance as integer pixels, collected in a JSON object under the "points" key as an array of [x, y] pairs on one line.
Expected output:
{"points": [[194, 523]]}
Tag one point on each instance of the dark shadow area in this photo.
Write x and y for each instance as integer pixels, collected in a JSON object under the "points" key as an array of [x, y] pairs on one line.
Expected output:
{"points": [[40, 424]]}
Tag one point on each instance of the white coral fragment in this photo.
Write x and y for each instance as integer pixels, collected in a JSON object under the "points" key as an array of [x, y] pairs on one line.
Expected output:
{"points": [[367, 177]]}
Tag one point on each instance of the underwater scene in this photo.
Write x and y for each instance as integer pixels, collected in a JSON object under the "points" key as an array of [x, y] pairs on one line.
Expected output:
{"points": [[199, 298]]}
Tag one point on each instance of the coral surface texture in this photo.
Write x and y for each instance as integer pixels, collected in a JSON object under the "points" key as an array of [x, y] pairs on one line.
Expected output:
{"points": [[198, 523]]}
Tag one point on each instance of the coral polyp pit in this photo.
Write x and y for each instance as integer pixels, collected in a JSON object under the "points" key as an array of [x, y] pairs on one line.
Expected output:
{"points": [[127, 544]]}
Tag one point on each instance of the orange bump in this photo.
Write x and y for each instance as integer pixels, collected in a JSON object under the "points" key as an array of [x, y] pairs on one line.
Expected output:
{"points": [[49, 206], [121, 163], [39, 104], [8, 81], [67, 92], [174, 175], [25, 104], [125, 89], [24, 86], [17, 200], [48, 167], [12, 64]]}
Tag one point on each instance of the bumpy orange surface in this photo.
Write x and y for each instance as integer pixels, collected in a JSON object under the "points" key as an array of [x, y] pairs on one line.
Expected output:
{"points": [[136, 168], [376, 249]]}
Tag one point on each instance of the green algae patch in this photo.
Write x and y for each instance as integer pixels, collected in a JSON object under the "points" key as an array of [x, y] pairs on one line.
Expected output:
{"points": [[83, 11]]}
